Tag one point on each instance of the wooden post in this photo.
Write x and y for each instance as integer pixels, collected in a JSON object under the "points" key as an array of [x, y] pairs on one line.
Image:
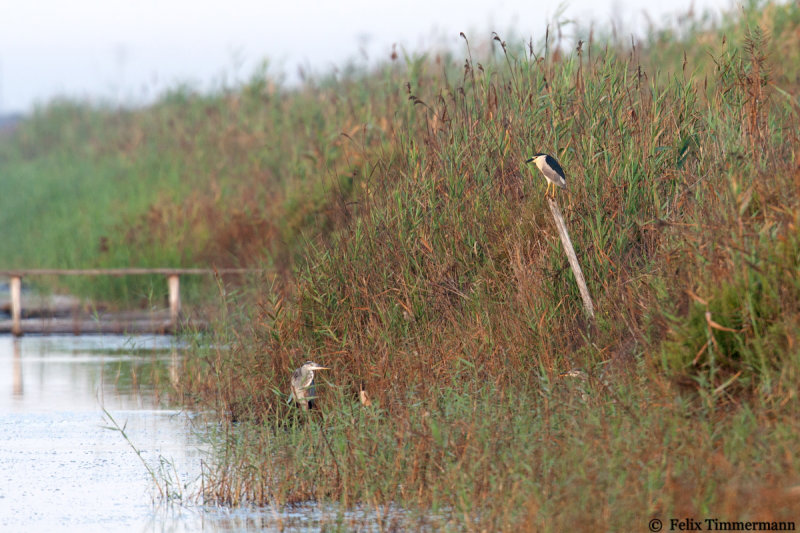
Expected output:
{"points": [[18, 386], [573, 259], [15, 287], [174, 298]]}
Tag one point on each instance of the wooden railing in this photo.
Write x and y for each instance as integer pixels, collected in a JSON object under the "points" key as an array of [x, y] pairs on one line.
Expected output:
{"points": [[172, 275]]}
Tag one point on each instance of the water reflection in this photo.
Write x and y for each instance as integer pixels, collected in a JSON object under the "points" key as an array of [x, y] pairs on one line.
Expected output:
{"points": [[76, 372], [16, 370], [62, 469]]}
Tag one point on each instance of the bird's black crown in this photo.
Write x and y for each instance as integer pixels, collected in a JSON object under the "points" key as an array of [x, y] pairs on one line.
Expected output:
{"points": [[534, 157]]}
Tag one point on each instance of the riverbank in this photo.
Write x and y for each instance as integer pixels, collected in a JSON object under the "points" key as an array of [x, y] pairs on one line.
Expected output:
{"points": [[442, 291], [68, 467]]}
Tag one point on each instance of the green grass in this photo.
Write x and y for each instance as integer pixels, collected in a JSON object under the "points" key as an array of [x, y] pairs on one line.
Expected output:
{"points": [[565, 455], [195, 180], [74, 194], [409, 248]]}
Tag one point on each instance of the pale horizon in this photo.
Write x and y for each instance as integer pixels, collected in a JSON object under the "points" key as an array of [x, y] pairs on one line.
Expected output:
{"points": [[121, 53]]}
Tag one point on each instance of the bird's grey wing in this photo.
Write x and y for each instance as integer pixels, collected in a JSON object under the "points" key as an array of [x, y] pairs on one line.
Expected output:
{"points": [[295, 383], [553, 177]]}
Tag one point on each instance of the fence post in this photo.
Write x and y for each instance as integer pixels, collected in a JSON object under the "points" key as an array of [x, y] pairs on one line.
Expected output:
{"points": [[15, 288], [174, 298]]}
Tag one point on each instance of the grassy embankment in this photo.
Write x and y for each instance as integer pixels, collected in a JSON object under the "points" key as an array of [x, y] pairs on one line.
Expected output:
{"points": [[444, 291], [413, 254]]}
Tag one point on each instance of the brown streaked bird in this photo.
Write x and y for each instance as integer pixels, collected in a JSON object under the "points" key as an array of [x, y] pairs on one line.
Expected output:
{"points": [[304, 391]]}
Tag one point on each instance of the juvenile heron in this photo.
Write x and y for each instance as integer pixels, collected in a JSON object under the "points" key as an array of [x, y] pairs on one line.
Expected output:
{"points": [[303, 390], [552, 171]]}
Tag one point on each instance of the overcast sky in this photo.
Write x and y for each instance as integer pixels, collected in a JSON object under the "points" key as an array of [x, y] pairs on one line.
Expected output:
{"points": [[128, 51]]}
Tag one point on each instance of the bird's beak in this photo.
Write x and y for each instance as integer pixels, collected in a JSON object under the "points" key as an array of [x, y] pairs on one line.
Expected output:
{"points": [[530, 160], [319, 368]]}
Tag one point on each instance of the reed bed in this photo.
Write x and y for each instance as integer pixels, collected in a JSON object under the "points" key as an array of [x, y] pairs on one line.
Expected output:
{"points": [[440, 288]]}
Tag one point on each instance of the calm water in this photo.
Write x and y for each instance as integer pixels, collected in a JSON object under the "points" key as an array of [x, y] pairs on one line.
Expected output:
{"points": [[61, 469]]}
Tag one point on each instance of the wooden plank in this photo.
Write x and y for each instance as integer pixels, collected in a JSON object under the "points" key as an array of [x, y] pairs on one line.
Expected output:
{"points": [[77, 325], [573, 259], [122, 271], [83, 326]]}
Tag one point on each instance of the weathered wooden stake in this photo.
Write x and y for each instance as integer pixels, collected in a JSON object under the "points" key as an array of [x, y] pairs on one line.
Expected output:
{"points": [[573, 259], [15, 287], [174, 298]]}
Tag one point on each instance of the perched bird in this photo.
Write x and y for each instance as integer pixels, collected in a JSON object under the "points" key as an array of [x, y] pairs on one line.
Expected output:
{"points": [[552, 171], [303, 390]]}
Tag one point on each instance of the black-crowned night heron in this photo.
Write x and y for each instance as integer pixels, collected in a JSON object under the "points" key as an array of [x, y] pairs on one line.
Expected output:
{"points": [[303, 390], [551, 170]]}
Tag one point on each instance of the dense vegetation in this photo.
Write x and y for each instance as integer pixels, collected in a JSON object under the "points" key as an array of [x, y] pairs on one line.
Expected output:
{"points": [[409, 248]]}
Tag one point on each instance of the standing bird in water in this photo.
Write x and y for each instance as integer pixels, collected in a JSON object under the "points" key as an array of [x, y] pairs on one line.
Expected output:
{"points": [[303, 390], [552, 171]]}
